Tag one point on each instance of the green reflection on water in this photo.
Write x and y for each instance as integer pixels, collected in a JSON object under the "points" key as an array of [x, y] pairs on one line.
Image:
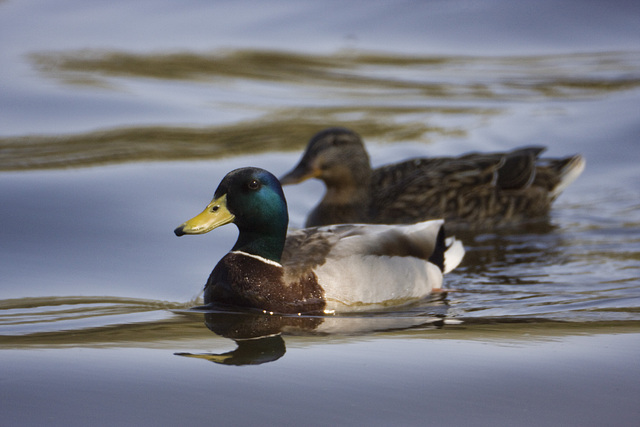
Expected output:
{"points": [[352, 69], [125, 322], [287, 130], [383, 96]]}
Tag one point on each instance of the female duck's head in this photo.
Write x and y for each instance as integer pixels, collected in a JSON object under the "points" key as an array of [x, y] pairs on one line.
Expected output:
{"points": [[253, 199]]}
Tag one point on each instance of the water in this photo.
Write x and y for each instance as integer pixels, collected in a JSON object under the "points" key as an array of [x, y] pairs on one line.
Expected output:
{"points": [[117, 122]]}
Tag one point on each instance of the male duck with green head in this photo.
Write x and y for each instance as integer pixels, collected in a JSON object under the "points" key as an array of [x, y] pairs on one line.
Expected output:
{"points": [[312, 270]]}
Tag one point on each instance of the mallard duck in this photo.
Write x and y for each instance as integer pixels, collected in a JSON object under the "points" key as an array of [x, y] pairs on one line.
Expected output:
{"points": [[471, 191], [311, 270]]}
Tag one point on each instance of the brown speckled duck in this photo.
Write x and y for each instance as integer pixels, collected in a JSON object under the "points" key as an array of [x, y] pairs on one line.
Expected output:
{"points": [[315, 270], [476, 190]]}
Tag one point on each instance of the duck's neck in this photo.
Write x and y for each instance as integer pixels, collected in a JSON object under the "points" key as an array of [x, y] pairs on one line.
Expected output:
{"points": [[347, 195], [262, 244], [348, 186]]}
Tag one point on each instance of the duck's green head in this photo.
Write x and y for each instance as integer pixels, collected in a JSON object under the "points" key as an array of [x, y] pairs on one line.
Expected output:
{"points": [[253, 199]]}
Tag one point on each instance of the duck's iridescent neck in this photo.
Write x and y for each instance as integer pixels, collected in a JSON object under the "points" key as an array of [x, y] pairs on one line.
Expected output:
{"points": [[265, 245]]}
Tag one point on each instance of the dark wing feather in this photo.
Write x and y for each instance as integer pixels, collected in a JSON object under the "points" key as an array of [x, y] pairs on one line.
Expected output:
{"points": [[305, 249], [476, 188], [437, 192], [519, 168]]}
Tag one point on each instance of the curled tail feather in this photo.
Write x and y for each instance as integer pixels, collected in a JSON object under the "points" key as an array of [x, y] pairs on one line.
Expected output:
{"points": [[448, 252]]}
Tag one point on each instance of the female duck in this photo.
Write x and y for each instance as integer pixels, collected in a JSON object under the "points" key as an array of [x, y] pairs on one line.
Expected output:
{"points": [[472, 191], [346, 267]]}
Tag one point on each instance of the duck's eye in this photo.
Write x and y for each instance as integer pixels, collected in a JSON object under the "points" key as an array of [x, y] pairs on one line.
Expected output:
{"points": [[254, 184]]}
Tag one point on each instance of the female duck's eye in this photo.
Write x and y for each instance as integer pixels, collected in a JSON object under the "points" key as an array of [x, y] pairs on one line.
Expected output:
{"points": [[254, 184]]}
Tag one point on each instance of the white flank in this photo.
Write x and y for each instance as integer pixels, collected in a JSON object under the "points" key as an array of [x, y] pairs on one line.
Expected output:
{"points": [[357, 277], [354, 282]]}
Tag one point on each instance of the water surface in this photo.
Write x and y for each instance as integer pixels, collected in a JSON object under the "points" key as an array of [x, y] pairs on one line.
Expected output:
{"points": [[119, 120]]}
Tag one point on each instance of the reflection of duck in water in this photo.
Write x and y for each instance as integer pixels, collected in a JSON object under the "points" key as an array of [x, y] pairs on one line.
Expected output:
{"points": [[249, 352], [346, 267], [477, 190], [259, 335]]}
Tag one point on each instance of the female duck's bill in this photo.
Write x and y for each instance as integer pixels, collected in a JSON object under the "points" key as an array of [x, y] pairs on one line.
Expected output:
{"points": [[341, 268]]}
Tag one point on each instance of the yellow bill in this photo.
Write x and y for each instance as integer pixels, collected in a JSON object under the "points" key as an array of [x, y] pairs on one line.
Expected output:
{"points": [[213, 216]]}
